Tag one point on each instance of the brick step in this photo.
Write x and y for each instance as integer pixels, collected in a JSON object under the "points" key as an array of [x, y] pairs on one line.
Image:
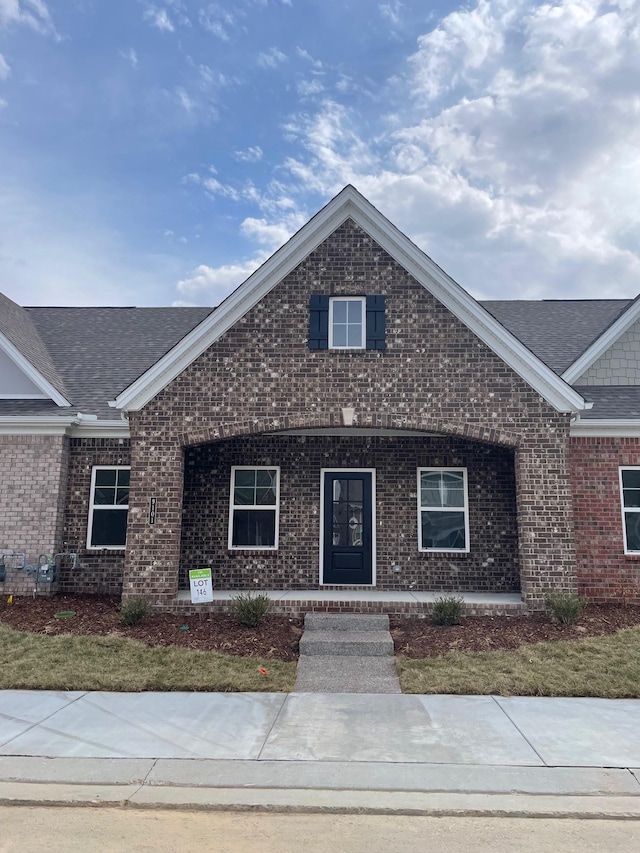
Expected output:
{"points": [[346, 622], [346, 643]]}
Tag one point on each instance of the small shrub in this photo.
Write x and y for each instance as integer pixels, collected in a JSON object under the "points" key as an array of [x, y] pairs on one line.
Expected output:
{"points": [[250, 609], [134, 610], [447, 610], [565, 607]]}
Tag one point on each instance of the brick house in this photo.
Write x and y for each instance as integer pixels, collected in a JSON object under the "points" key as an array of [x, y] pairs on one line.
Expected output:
{"points": [[349, 418]]}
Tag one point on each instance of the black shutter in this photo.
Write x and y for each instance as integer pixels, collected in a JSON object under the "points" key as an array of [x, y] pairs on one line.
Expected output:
{"points": [[319, 322], [375, 323]]}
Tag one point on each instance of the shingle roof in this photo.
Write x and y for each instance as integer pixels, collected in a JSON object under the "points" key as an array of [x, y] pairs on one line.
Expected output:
{"points": [[557, 331], [611, 401], [100, 351], [97, 352], [17, 327]]}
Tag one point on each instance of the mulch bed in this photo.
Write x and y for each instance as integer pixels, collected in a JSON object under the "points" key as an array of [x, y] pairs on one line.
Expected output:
{"points": [[277, 637], [418, 638]]}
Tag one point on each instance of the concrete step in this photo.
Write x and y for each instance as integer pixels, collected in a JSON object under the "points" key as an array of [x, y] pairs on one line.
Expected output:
{"points": [[346, 622], [346, 643], [340, 674]]}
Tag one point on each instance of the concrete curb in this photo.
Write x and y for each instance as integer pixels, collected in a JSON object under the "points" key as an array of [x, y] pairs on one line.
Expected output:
{"points": [[320, 801]]}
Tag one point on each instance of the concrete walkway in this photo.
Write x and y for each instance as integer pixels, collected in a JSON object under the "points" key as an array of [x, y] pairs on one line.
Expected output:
{"points": [[314, 752]]}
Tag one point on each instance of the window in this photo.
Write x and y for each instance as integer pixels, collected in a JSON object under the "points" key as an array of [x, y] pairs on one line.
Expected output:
{"points": [[630, 493], [108, 507], [253, 516], [443, 512], [346, 322]]}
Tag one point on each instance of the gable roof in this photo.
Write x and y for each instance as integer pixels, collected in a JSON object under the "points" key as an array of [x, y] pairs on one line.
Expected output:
{"points": [[617, 327], [20, 340], [350, 204]]}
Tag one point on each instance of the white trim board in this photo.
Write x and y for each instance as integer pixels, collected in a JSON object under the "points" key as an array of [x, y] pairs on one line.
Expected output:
{"points": [[71, 425], [603, 428], [602, 344], [323, 473], [350, 204], [23, 364]]}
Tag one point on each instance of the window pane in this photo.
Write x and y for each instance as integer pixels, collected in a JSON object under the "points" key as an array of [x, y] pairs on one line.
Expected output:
{"points": [[339, 335], [354, 312], [340, 311], [244, 497], [354, 336], [104, 495], [106, 478], [122, 496], [123, 477], [266, 477], [443, 530], [254, 527], [631, 479], [246, 477], [265, 497], [632, 525], [430, 491], [109, 527]]}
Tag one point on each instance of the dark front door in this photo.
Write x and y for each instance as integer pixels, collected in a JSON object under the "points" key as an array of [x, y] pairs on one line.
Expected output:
{"points": [[348, 529]]}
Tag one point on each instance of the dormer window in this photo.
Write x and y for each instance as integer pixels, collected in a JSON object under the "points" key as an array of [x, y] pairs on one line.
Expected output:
{"points": [[347, 322]]}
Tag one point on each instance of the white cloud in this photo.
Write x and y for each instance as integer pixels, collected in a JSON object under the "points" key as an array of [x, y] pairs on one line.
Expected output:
{"points": [[32, 13], [391, 11], [271, 235], [271, 58], [250, 155], [5, 70], [217, 21], [212, 284], [131, 56], [159, 18], [304, 54], [308, 88]]}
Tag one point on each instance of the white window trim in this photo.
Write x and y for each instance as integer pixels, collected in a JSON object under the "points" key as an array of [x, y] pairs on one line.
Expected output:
{"points": [[363, 338], [464, 509], [624, 509], [93, 506], [265, 508]]}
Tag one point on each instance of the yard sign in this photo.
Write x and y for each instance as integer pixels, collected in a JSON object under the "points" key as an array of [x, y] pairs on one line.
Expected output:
{"points": [[201, 585]]}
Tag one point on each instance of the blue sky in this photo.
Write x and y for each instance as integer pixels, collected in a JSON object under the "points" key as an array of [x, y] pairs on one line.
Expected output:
{"points": [[155, 153]]}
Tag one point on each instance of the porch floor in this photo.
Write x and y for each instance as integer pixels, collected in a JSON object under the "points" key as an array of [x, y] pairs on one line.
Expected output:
{"points": [[399, 602]]}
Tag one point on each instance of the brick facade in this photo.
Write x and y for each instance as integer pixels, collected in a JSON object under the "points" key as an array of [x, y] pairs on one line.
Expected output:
{"points": [[492, 565], [605, 572], [434, 375], [33, 473], [97, 571]]}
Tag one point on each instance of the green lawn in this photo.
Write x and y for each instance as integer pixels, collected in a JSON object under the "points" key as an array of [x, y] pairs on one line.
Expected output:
{"points": [[608, 667], [65, 662]]}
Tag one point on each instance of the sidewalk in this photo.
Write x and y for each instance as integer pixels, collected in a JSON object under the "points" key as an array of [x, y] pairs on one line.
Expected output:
{"points": [[323, 752]]}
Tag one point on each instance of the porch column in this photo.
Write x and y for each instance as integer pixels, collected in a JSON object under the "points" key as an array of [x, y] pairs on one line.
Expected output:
{"points": [[155, 518], [545, 519]]}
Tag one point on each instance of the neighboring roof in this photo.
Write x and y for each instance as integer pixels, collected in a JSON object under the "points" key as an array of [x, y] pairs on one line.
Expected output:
{"points": [[22, 343], [350, 204], [617, 402], [557, 330], [100, 351]]}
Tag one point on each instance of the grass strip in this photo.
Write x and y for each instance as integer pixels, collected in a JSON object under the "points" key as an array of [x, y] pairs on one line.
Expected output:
{"points": [[608, 667], [66, 662]]}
